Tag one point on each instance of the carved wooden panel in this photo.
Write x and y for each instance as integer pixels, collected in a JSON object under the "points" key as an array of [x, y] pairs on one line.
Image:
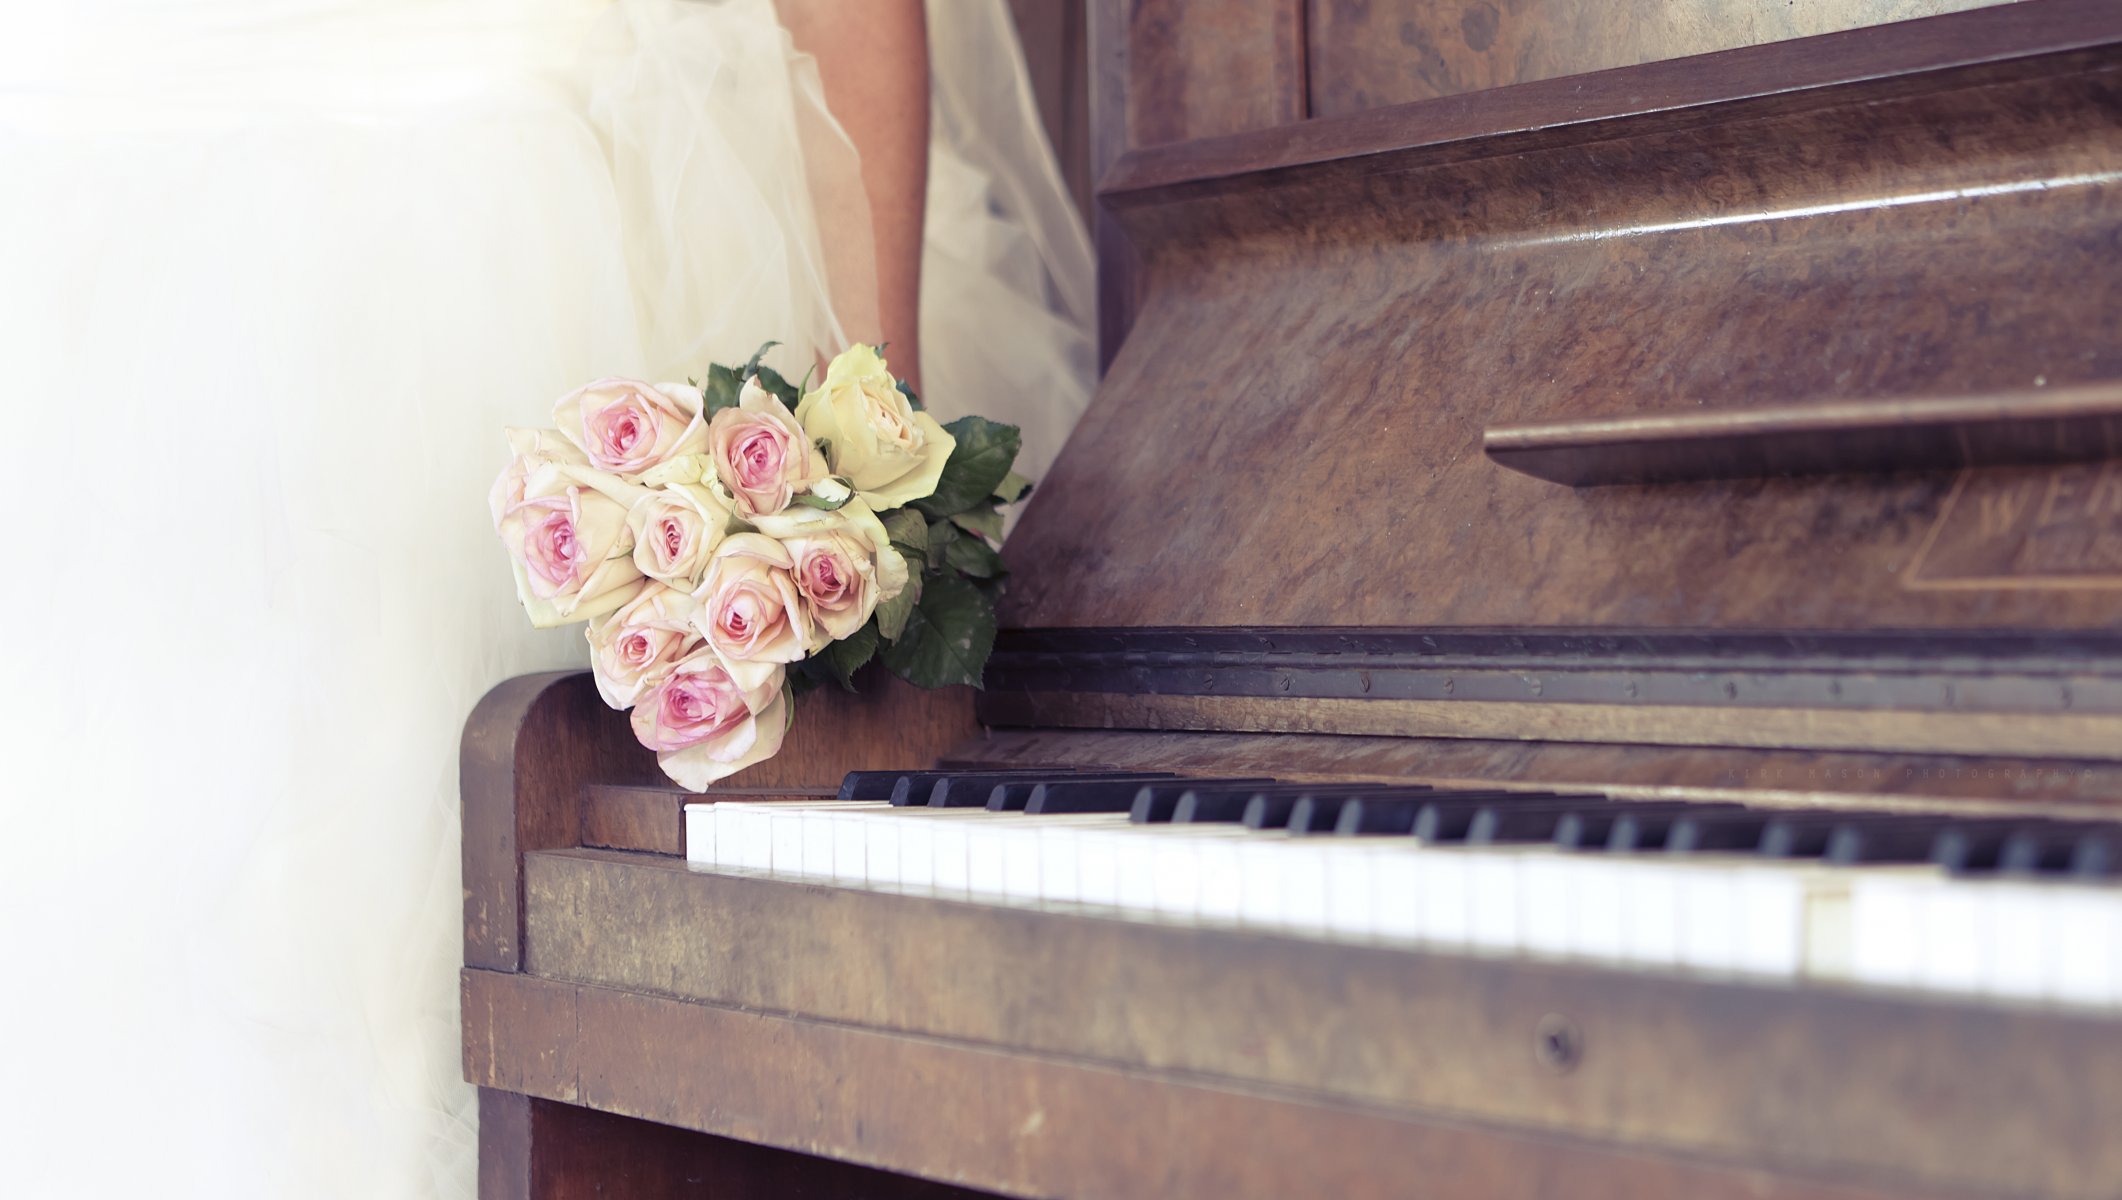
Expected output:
{"points": [[1292, 435], [1198, 68], [1364, 53]]}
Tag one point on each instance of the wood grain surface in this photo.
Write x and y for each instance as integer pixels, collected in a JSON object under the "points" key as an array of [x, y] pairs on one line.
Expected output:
{"points": [[1031, 1125], [1922, 1090]]}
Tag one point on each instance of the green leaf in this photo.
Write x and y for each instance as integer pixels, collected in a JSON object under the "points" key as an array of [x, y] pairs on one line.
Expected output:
{"points": [[913, 401], [812, 500], [1014, 487], [847, 655], [780, 388], [751, 367], [981, 519], [975, 557], [940, 537], [975, 468], [805, 676], [908, 530], [723, 384], [947, 637], [893, 613]]}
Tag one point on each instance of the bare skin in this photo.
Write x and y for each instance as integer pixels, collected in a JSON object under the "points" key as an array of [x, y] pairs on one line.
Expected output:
{"points": [[873, 58]]}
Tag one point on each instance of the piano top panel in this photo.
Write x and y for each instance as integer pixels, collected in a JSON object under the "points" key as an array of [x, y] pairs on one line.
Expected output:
{"points": [[1292, 435], [1366, 53]]}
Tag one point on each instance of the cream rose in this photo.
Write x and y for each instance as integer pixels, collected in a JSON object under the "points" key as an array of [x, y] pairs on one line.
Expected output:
{"points": [[628, 427], [874, 438], [676, 530], [533, 449], [704, 727], [568, 539], [843, 565], [633, 647], [749, 609], [760, 454]]}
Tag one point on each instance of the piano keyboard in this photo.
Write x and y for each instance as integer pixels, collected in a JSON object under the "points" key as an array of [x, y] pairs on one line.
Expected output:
{"points": [[2022, 909]]}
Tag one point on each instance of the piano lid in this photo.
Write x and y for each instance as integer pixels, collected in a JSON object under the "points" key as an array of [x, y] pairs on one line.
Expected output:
{"points": [[1890, 258]]}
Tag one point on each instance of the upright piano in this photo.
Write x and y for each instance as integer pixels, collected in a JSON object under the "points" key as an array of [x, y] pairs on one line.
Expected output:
{"points": [[1605, 520]]}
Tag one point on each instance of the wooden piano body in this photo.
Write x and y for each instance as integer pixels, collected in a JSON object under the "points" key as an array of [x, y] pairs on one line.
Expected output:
{"points": [[1684, 400]]}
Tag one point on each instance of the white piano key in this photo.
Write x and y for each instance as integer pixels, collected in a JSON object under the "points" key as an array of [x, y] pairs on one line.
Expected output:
{"points": [[1396, 892], [882, 851], [750, 837], [952, 860], [1306, 862], [1828, 942], [1492, 898], [1260, 867], [1884, 927], [1220, 896], [917, 851], [850, 848], [1059, 849], [1711, 926], [1769, 903], [1136, 873], [1952, 954], [1098, 865], [1546, 899], [2088, 923], [700, 834], [1597, 918], [2023, 937], [1351, 904], [1175, 883], [1020, 862], [984, 868], [1650, 918], [1442, 878], [818, 825]]}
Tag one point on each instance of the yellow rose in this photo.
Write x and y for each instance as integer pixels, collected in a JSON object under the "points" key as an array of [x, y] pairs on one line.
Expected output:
{"points": [[876, 441]]}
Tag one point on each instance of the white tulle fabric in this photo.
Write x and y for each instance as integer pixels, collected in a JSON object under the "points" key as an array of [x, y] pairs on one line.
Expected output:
{"points": [[273, 276]]}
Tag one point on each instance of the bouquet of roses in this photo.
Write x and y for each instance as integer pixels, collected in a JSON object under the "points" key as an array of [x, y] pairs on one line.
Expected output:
{"points": [[734, 541]]}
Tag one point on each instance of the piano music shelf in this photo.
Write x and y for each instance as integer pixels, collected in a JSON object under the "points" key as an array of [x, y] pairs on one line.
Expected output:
{"points": [[2045, 425]]}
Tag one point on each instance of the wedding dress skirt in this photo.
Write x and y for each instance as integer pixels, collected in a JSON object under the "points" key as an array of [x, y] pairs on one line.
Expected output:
{"points": [[274, 274]]}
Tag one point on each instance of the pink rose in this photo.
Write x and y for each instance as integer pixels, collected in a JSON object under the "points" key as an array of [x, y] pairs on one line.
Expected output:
{"points": [[703, 726], [750, 611], [628, 427], [635, 646], [567, 537], [534, 448], [676, 530], [760, 455], [843, 565]]}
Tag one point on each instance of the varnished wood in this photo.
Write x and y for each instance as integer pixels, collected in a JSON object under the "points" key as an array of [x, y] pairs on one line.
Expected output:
{"points": [[1941, 782], [1948, 1092], [556, 1151], [1366, 53], [2039, 426], [1995, 734], [888, 723], [1199, 68], [1334, 338], [1029, 1125], [651, 818]]}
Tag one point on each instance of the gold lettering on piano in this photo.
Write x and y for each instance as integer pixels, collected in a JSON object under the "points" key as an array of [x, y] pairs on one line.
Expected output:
{"points": [[2051, 527]]}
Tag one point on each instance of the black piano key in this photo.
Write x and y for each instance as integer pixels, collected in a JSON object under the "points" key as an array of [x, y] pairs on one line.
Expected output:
{"points": [[2039, 851], [1650, 830], [1116, 794], [1956, 843], [2097, 854], [1389, 815], [1498, 823], [1155, 802], [1590, 828], [878, 785], [1807, 834], [1317, 813], [1453, 820], [970, 789], [1227, 804]]}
